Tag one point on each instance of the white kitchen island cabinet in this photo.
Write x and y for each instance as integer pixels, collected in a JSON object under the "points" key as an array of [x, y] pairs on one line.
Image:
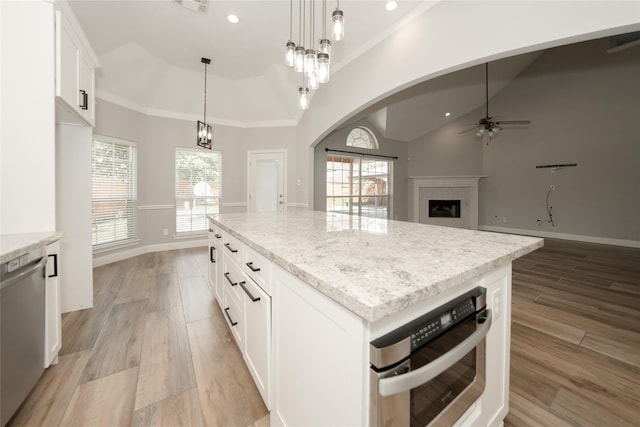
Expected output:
{"points": [[339, 282]]}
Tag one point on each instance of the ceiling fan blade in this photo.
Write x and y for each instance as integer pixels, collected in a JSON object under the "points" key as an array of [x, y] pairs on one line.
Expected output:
{"points": [[470, 129], [514, 122]]}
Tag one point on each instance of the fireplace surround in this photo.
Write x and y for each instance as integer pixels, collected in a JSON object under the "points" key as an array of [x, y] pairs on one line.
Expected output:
{"points": [[455, 197]]}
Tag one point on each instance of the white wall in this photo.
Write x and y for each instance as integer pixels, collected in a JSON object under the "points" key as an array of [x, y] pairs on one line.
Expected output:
{"points": [[27, 148], [453, 35], [156, 141], [584, 105]]}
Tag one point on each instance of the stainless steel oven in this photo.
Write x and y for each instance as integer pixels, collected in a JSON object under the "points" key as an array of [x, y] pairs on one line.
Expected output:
{"points": [[430, 371]]}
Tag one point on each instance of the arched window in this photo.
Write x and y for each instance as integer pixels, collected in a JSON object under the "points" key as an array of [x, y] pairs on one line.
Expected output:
{"points": [[362, 137]]}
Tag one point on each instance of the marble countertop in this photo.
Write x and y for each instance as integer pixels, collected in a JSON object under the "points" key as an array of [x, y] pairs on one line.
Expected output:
{"points": [[13, 245], [373, 267]]}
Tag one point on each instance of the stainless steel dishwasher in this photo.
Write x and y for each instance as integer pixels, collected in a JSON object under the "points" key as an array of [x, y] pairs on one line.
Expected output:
{"points": [[22, 295]]}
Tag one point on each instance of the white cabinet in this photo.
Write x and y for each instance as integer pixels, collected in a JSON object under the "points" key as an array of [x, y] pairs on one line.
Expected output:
{"points": [[257, 336], [53, 320], [247, 308], [75, 75], [216, 263]]}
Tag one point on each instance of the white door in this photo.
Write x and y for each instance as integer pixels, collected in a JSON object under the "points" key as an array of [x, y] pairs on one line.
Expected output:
{"points": [[266, 181]]}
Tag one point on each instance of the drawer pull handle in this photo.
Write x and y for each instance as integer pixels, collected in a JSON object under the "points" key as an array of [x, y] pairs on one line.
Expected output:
{"points": [[211, 230], [226, 311], [228, 245], [55, 265], [217, 236], [246, 291], [254, 269], [85, 100], [226, 275], [211, 249]]}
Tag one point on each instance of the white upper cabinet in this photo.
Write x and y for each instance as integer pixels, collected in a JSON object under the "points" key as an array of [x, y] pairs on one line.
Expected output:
{"points": [[75, 74]]}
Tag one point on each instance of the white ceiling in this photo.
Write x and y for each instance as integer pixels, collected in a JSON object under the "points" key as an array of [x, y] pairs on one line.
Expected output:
{"points": [[150, 53]]}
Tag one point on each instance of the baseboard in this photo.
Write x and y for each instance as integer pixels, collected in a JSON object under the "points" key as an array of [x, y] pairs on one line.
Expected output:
{"points": [[563, 236], [140, 250]]}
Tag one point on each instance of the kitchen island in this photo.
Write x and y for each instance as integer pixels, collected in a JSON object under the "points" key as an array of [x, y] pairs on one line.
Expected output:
{"points": [[334, 283]]}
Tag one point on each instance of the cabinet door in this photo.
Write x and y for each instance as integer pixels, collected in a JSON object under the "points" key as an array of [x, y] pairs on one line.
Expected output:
{"points": [[234, 316], [257, 341], [66, 61], [86, 98], [53, 321], [213, 265]]}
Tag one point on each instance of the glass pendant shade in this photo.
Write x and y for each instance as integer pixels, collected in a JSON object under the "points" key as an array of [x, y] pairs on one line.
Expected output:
{"points": [[338, 24], [291, 46], [309, 63], [313, 82], [325, 46], [298, 64], [303, 100], [323, 67]]}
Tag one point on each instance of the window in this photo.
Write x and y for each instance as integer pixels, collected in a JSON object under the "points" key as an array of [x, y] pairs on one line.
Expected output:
{"points": [[198, 188], [114, 200], [359, 186], [362, 137]]}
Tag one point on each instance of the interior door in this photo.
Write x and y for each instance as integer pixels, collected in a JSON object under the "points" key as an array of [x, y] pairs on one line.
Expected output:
{"points": [[266, 181]]}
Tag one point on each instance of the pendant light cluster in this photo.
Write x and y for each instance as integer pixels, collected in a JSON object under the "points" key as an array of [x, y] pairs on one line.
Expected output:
{"points": [[204, 131], [314, 64]]}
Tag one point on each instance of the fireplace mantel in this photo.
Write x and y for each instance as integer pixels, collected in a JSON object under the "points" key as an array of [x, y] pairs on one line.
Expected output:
{"points": [[465, 187]]}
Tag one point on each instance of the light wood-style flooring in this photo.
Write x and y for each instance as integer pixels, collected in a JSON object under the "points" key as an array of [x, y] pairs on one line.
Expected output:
{"points": [[155, 349]]}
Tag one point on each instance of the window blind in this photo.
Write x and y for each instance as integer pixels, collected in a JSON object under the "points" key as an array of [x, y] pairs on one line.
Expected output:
{"points": [[198, 188], [114, 189]]}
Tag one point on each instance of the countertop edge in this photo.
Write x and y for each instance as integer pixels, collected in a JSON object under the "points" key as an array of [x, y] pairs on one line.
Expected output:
{"points": [[18, 244]]}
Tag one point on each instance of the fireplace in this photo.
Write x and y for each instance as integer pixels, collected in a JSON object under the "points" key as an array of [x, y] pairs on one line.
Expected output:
{"points": [[451, 201], [444, 208]]}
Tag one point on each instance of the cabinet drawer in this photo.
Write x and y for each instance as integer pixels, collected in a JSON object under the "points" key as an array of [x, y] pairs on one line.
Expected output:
{"points": [[233, 248], [232, 276], [214, 231], [258, 268]]}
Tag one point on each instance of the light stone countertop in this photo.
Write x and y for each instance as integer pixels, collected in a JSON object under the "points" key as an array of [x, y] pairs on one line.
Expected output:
{"points": [[373, 267], [13, 245]]}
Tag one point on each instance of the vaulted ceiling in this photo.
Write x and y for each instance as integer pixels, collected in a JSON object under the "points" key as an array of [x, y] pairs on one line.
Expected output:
{"points": [[150, 54]]}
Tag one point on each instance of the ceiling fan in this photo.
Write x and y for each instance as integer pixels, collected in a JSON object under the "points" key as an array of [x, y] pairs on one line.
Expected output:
{"points": [[487, 127]]}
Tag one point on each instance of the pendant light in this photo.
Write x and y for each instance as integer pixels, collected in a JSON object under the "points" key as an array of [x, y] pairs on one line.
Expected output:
{"points": [[290, 46], [299, 51], [338, 23], [204, 131], [310, 64]]}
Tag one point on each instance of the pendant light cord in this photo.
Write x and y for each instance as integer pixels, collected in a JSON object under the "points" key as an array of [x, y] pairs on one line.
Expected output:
{"points": [[204, 119], [290, 19], [324, 19], [486, 85]]}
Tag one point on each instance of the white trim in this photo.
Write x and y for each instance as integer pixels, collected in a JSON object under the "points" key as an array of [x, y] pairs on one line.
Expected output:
{"points": [[155, 207], [112, 139], [297, 205], [140, 250], [563, 236], [112, 246], [234, 204], [190, 234], [154, 112]]}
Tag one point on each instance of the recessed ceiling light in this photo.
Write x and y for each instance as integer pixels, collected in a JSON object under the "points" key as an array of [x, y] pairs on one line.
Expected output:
{"points": [[391, 5], [447, 114], [233, 19]]}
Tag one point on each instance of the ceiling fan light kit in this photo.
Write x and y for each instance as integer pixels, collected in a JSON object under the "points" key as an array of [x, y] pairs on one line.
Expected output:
{"points": [[487, 128]]}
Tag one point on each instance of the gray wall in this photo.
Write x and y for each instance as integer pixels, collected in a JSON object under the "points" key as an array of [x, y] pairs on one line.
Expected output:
{"points": [[156, 140], [585, 108], [386, 148]]}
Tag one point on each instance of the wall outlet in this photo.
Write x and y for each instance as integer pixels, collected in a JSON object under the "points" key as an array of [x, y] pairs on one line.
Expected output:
{"points": [[552, 187], [165, 231]]}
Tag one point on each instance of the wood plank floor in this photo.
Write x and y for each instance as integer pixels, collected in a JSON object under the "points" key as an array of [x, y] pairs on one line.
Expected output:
{"points": [[155, 350]]}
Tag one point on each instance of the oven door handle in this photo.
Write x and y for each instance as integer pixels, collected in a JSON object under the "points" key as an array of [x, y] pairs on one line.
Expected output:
{"points": [[400, 383]]}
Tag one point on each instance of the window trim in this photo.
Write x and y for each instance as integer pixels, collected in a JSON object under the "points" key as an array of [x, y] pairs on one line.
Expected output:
{"points": [[373, 145]]}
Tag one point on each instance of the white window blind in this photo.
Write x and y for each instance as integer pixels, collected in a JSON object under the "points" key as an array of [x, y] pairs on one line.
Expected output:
{"points": [[114, 186], [198, 188]]}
